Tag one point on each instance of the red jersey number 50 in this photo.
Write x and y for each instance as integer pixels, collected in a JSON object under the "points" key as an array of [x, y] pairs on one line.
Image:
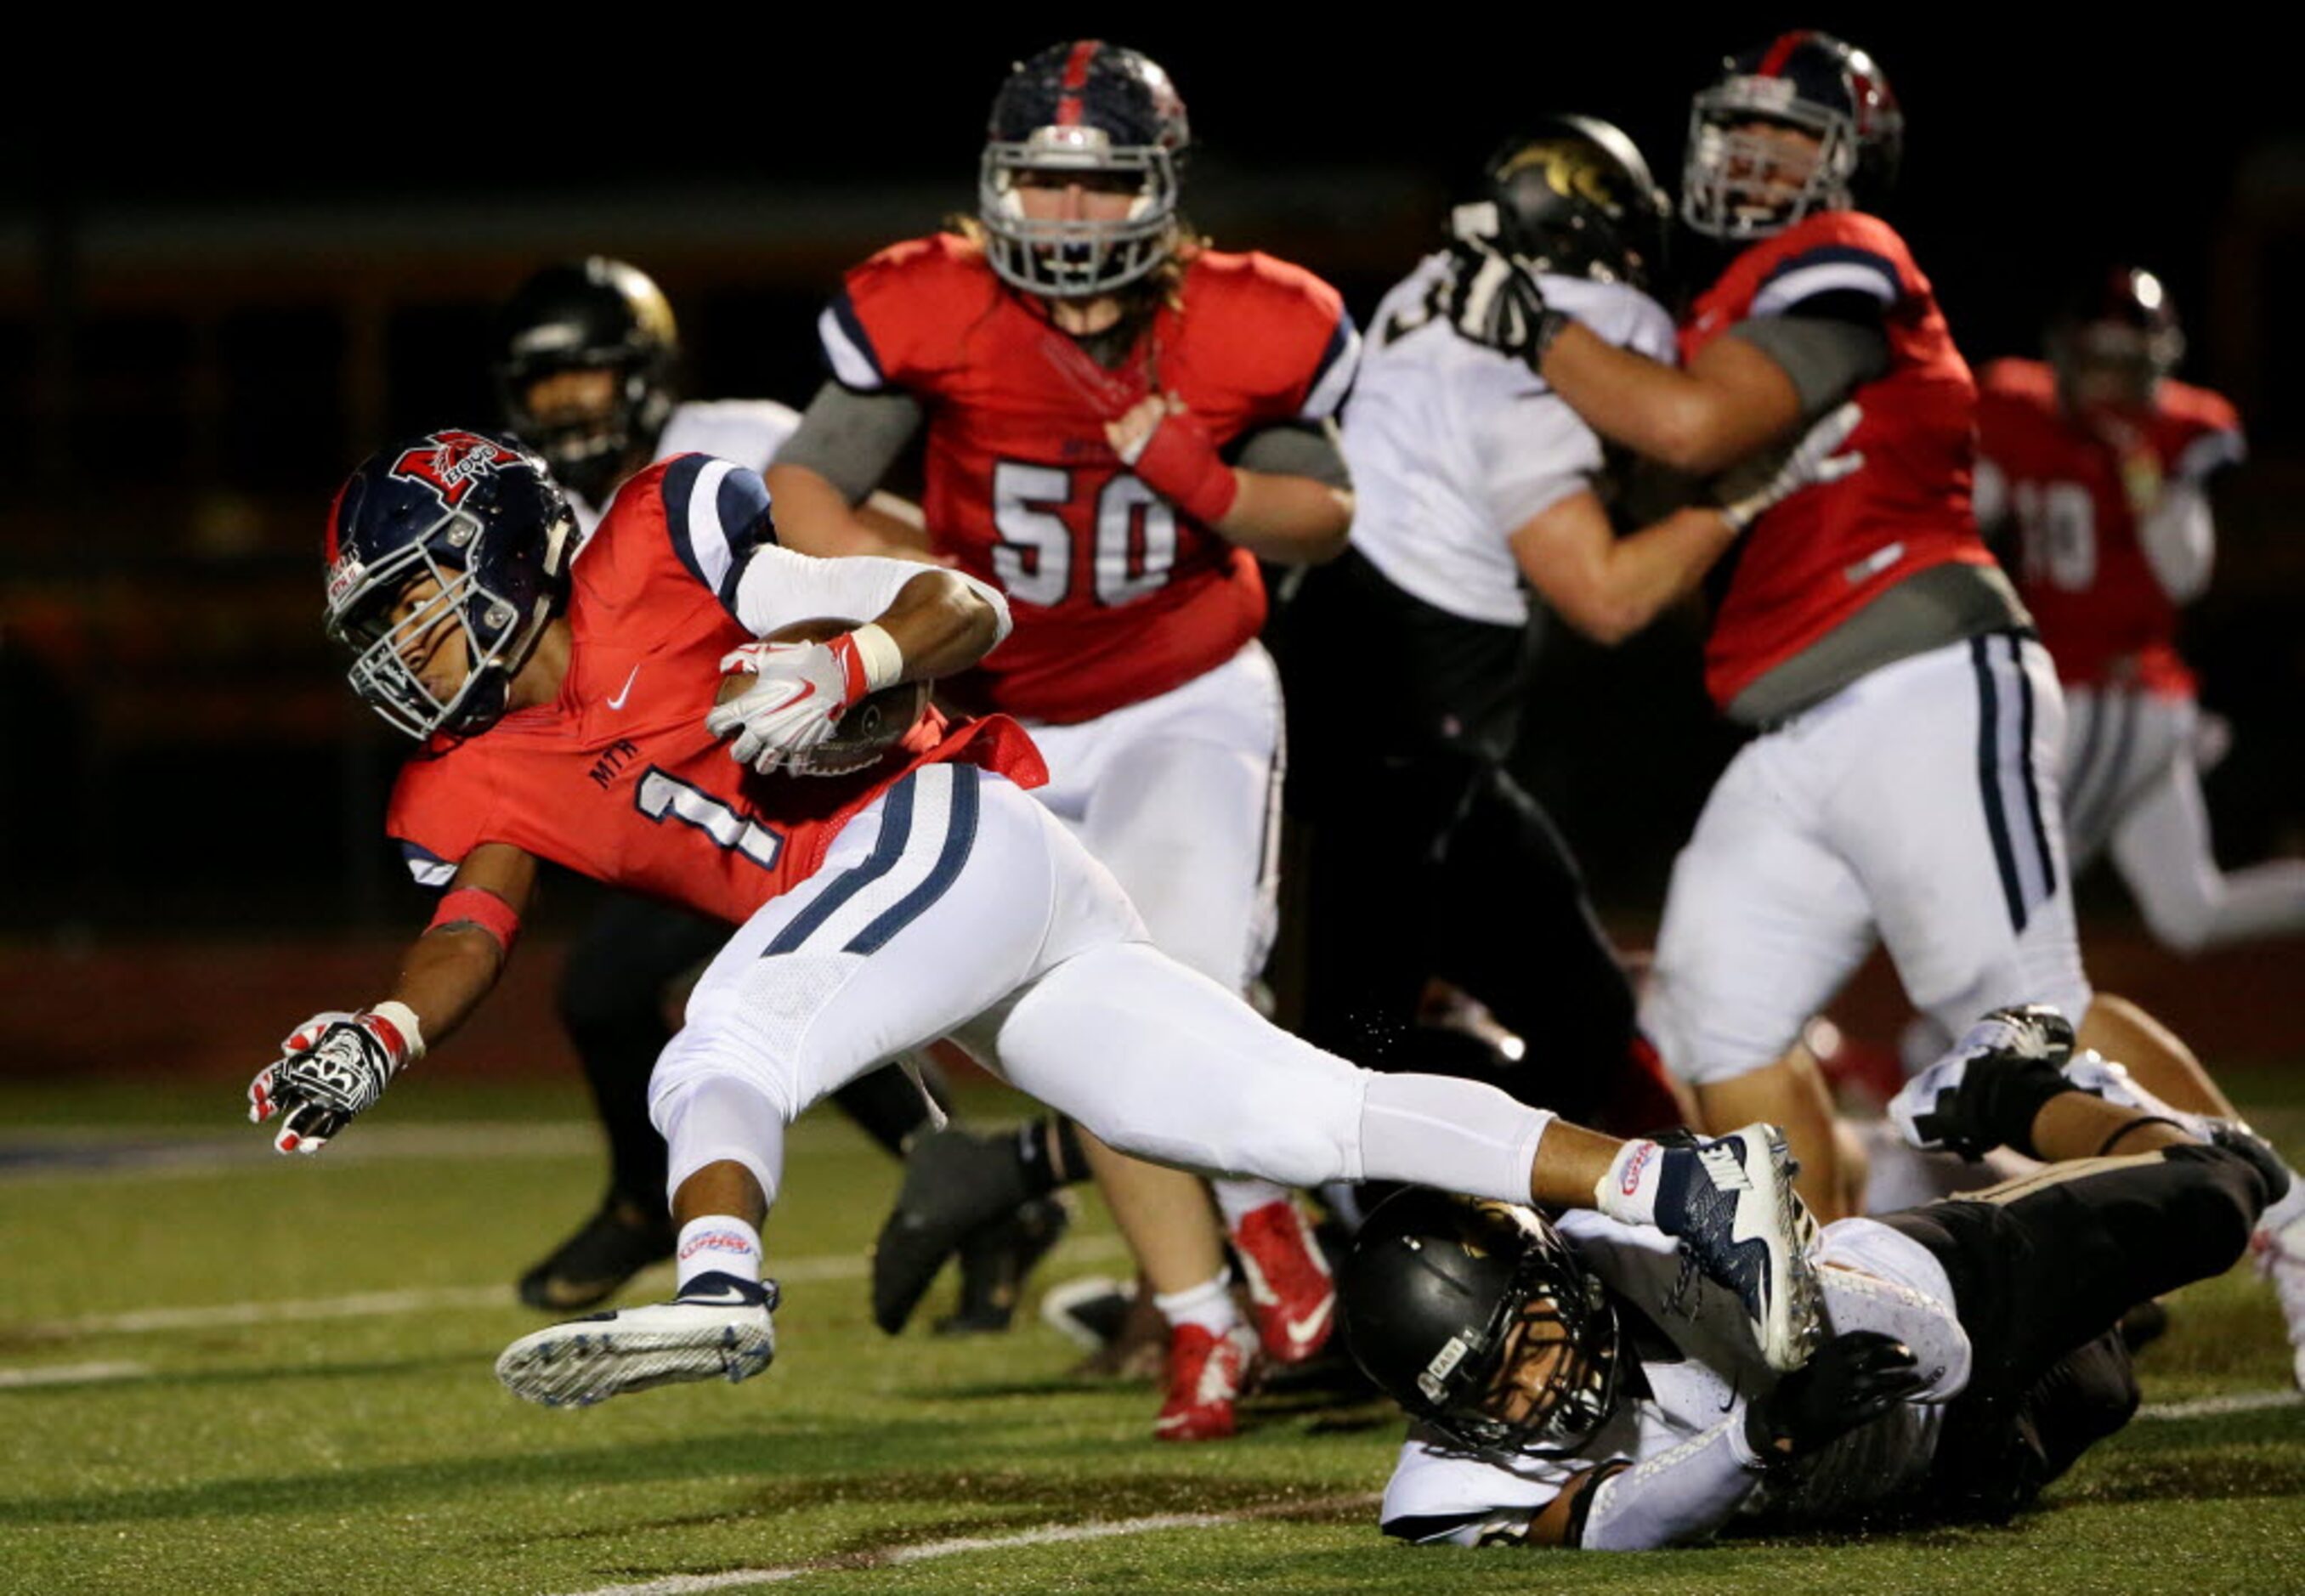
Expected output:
{"points": [[1132, 552]]}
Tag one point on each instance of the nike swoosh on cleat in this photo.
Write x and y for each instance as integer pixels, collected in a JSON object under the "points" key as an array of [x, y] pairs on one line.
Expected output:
{"points": [[1302, 1332], [625, 691]]}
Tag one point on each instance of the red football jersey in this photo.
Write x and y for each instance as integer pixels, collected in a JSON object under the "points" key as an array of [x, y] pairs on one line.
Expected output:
{"points": [[617, 779], [1825, 553], [2102, 613], [1118, 596]]}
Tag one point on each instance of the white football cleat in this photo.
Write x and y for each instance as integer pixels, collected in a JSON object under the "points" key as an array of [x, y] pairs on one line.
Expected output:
{"points": [[1730, 1203], [717, 1328], [2278, 1250]]}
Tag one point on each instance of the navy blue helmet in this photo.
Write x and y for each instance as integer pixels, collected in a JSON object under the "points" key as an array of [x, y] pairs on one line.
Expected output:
{"points": [[1482, 1321], [1739, 184], [590, 315], [1095, 114], [453, 541]]}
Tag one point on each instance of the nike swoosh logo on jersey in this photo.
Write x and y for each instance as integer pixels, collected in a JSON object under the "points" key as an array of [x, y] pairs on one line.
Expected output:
{"points": [[625, 691]]}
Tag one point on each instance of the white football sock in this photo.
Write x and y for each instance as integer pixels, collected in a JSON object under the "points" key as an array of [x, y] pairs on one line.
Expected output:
{"points": [[1238, 1198], [1209, 1305], [718, 1244]]}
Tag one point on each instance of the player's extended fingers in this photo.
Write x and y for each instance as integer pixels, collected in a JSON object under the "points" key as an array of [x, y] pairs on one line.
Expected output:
{"points": [[260, 1104], [306, 1129]]}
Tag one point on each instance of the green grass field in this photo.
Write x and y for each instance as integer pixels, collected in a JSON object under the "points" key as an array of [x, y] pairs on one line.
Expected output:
{"points": [[221, 1371]]}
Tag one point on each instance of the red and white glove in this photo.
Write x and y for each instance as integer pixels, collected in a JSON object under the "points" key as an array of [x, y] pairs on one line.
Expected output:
{"points": [[333, 1068], [1176, 457], [799, 694]]}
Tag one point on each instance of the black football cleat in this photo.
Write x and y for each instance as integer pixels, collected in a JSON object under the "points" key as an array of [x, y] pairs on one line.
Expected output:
{"points": [[589, 1267]]}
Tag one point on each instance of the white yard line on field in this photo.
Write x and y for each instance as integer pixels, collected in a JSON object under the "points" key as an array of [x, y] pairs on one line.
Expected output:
{"points": [[2210, 1407], [1055, 1534], [69, 1374], [378, 1304]]}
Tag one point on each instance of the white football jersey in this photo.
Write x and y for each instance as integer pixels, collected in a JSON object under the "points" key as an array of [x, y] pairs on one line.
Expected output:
{"points": [[1454, 446], [1875, 1278], [748, 431]]}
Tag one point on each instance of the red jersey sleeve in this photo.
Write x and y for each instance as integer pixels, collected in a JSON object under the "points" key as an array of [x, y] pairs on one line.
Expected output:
{"points": [[1845, 252], [711, 515], [900, 318], [1282, 336], [2201, 429], [437, 815]]}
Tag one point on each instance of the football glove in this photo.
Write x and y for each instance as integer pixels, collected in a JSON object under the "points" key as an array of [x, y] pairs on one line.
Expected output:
{"points": [[332, 1067], [1774, 476], [1178, 459], [796, 701], [1493, 297], [1853, 1380]]}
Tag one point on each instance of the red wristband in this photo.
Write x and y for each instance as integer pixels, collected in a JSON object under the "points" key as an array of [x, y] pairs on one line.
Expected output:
{"points": [[1180, 462], [478, 907]]}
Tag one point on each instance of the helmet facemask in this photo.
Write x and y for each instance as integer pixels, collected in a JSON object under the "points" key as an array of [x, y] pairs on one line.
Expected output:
{"points": [[388, 653], [1740, 183], [1084, 257]]}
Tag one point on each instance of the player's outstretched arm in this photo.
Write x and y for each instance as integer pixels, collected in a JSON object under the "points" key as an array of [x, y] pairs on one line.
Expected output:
{"points": [[1608, 587], [336, 1066], [1731, 402]]}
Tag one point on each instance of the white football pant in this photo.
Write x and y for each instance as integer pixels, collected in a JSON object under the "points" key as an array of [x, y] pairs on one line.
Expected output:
{"points": [[2133, 783], [1921, 804], [954, 905]]}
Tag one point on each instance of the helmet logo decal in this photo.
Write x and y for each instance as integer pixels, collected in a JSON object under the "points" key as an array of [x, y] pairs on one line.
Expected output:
{"points": [[453, 463], [1435, 1381], [1569, 170]]}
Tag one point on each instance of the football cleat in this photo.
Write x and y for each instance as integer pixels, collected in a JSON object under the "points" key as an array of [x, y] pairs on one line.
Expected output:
{"points": [[1089, 1312], [955, 1184], [1207, 1374], [1290, 1291], [1730, 1203], [2278, 1250], [717, 1328], [1950, 1106], [995, 1260], [609, 1249]]}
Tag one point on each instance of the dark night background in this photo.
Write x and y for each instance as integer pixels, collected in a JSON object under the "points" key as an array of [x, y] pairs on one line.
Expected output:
{"points": [[219, 287]]}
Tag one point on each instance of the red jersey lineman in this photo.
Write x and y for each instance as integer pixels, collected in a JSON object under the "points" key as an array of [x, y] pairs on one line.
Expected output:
{"points": [[1903, 782], [2102, 461], [1120, 421]]}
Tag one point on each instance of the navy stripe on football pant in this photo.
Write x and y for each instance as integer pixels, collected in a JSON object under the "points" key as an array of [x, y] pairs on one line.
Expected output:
{"points": [[2033, 811], [1988, 778], [959, 838], [896, 831], [2106, 803], [2086, 772], [2011, 789]]}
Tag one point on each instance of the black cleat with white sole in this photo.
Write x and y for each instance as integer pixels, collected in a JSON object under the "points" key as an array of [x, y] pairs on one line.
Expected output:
{"points": [[1730, 1203], [717, 1328]]}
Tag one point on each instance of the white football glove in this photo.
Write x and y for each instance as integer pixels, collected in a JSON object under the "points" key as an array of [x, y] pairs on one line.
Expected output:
{"points": [[1769, 479], [801, 691], [333, 1068]]}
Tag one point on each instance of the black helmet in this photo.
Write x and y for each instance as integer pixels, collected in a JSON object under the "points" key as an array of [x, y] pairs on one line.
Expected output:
{"points": [[595, 314], [1812, 81], [1443, 1297], [1105, 115], [1572, 196]]}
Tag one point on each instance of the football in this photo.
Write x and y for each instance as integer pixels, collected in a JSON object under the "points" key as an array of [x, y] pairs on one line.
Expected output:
{"points": [[869, 730]]}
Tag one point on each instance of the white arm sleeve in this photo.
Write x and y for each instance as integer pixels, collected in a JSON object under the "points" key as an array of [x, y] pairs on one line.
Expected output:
{"points": [[779, 586], [1678, 1495], [2179, 541]]}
